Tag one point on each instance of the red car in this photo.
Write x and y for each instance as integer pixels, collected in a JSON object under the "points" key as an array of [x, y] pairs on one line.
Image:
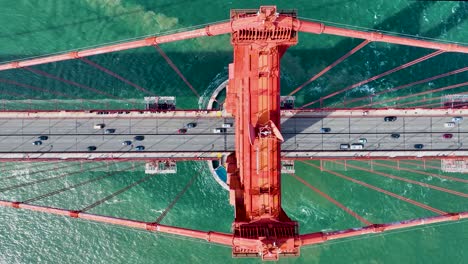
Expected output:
{"points": [[447, 135], [182, 131]]}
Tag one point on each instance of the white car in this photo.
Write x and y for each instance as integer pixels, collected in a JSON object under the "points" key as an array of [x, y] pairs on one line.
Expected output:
{"points": [[99, 126], [219, 130], [357, 146], [449, 124], [363, 140], [226, 125], [457, 119]]}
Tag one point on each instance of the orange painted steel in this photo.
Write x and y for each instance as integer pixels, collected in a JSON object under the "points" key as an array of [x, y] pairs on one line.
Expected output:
{"points": [[260, 38], [215, 237], [320, 28], [320, 237], [229, 239], [253, 98]]}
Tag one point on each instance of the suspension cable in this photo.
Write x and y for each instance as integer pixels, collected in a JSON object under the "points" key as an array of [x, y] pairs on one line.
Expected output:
{"points": [[417, 94], [178, 196], [322, 72], [39, 72], [407, 180], [406, 65], [91, 206], [324, 195], [408, 200], [421, 172], [8, 188], [36, 172], [115, 75], [110, 174], [174, 67], [409, 84]]}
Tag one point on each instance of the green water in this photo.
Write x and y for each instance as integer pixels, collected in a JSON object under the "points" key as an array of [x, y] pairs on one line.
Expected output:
{"points": [[32, 28]]}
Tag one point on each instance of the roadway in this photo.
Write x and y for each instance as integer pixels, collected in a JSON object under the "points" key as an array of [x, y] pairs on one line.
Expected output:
{"points": [[302, 134]]}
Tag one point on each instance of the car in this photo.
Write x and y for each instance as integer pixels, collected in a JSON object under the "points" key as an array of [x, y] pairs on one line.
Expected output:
{"points": [[99, 126], [395, 135], [182, 131], [227, 125], [457, 119], [191, 125], [140, 148], [357, 146], [126, 143], [363, 140], [92, 148], [139, 138], [449, 124], [325, 130], [447, 136], [43, 137], [219, 130], [418, 146], [390, 118], [109, 131], [37, 143], [344, 146]]}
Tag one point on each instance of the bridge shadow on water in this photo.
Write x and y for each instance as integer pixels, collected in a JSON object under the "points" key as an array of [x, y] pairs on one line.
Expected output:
{"points": [[146, 68]]}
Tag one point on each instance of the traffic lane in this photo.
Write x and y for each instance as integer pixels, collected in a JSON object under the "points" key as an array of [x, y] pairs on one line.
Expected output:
{"points": [[114, 143]]}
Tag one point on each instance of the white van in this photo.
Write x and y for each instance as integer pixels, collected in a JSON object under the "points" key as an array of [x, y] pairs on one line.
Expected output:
{"points": [[344, 146], [357, 146], [99, 126], [449, 124], [219, 130]]}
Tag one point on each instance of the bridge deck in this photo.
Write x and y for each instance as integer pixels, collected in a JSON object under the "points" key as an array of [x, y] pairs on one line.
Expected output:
{"points": [[69, 137]]}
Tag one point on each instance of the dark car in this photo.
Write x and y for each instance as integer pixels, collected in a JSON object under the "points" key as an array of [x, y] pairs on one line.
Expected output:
{"points": [[37, 143], [43, 137], [139, 138], [126, 143], [109, 131], [447, 136], [390, 118], [418, 146], [191, 125], [395, 135], [140, 148], [182, 131], [325, 129], [92, 148]]}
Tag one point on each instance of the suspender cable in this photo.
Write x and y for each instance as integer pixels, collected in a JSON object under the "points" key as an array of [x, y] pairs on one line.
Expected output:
{"points": [[408, 200], [36, 172], [420, 164], [110, 174], [178, 196], [417, 94], [322, 72], [169, 61], [44, 180], [408, 85], [38, 88], [406, 65], [324, 195], [39, 72], [91, 206], [422, 172], [407, 180], [115, 75]]}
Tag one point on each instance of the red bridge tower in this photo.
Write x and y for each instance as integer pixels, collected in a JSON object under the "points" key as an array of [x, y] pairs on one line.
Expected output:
{"points": [[261, 227]]}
